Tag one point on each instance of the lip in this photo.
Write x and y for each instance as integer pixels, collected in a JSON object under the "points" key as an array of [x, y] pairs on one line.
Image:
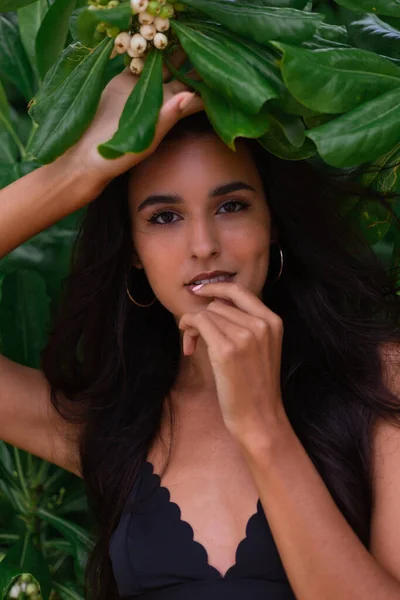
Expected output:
{"points": [[209, 275], [192, 285]]}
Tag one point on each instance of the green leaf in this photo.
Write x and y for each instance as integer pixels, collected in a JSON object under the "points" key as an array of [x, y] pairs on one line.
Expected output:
{"points": [[276, 141], [87, 21], [224, 69], [371, 33], [336, 80], [137, 125], [258, 23], [328, 35], [10, 5], [5, 457], [73, 105], [264, 60], [4, 106], [29, 20], [299, 4], [8, 137], [7, 477], [388, 179], [70, 530], [14, 63], [52, 34], [81, 542], [361, 135], [228, 121], [293, 127], [24, 557], [70, 58], [67, 591], [371, 219], [24, 316], [390, 8]]}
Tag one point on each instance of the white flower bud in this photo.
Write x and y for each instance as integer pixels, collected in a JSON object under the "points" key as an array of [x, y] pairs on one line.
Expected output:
{"points": [[137, 65], [161, 24], [148, 32], [160, 41], [122, 42], [139, 6], [138, 43], [134, 53], [15, 590], [145, 18], [23, 586]]}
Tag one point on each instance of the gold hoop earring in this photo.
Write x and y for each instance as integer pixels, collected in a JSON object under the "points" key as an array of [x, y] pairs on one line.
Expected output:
{"points": [[132, 299], [281, 269]]}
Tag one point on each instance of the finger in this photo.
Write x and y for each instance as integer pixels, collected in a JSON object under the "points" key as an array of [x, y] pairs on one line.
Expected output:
{"points": [[196, 105], [189, 340], [207, 328], [239, 295], [238, 317], [189, 343], [231, 330]]}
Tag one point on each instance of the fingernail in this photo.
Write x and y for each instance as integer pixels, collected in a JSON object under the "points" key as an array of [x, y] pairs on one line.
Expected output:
{"points": [[186, 101], [197, 287]]}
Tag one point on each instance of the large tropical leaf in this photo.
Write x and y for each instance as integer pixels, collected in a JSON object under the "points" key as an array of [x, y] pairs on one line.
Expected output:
{"points": [[73, 105], [390, 8], [225, 71], [336, 80], [259, 23], [137, 125], [14, 64], [52, 34], [361, 135]]}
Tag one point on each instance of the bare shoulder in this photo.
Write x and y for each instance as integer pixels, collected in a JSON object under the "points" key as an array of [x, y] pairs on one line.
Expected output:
{"points": [[29, 421], [385, 521]]}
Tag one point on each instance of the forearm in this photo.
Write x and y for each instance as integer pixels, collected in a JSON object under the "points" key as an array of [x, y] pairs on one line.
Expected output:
{"points": [[322, 556], [40, 199]]}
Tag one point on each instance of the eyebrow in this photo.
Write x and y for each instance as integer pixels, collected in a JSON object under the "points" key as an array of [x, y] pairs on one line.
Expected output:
{"points": [[220, 190]]}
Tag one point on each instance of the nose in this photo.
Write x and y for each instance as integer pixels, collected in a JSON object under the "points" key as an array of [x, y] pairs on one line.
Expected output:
{"points": [[203, 239]]}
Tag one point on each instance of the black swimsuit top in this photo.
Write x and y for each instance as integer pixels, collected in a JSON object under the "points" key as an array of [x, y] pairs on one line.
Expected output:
{"points": [[154, 555]]}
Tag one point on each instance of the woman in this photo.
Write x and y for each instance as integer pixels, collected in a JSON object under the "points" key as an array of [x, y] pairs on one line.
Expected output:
{"points": [[238, 441]]}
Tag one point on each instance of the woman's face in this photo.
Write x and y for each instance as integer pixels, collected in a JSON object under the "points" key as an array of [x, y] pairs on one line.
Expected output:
{"points": [[201, 228]]}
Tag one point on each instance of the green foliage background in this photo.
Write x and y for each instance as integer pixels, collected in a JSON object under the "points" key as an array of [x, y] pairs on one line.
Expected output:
{"points": [[44, 518]]}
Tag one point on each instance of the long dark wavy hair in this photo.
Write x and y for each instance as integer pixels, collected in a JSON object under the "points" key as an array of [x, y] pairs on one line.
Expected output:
{"points": [[111, 365]]}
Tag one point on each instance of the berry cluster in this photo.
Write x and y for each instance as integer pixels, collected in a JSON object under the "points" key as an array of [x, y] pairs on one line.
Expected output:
{"points": [[149, 26], [25, 587]]}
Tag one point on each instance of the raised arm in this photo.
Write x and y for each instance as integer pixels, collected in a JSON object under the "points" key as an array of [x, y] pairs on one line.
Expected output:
{"points": [[37, 201]]}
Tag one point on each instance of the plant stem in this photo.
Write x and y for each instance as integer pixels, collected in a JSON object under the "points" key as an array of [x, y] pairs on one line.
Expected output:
{"points": [[20, 473], [41, 472], [35, 127], [196, 85], [14, 135]]}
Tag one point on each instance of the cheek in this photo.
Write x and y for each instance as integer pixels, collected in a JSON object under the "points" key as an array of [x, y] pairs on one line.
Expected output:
{"points": [[159, 258], [252, 241]]}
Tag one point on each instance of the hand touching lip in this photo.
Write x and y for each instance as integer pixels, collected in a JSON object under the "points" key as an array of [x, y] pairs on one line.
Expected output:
{"points": [[244, 344]]}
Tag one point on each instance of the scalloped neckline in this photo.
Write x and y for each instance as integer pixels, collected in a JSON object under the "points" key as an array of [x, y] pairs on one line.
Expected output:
{"points": [[211, 567]]}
